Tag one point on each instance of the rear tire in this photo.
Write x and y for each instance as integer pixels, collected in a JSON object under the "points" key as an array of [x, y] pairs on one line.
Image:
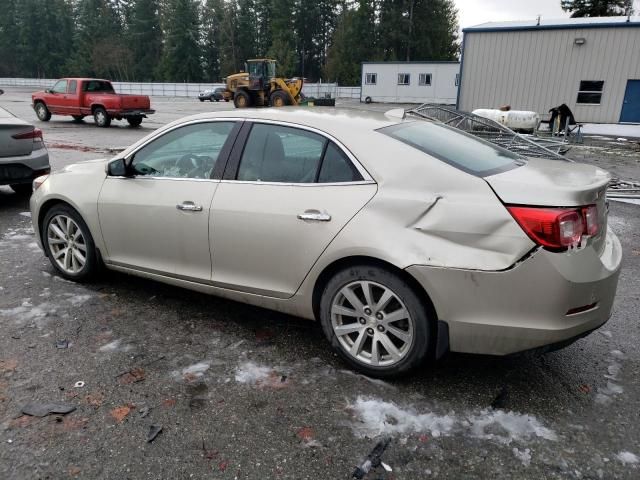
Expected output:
{"points": [[278, 99], [391, 331], [202, 99], [134, 121], [42, 112], [101, 117], [68, 243], [241, 99], [22, 188]]}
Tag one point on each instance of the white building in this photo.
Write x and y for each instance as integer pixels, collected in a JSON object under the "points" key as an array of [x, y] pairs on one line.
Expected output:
{"points": [[410, 82], [590, 64]]}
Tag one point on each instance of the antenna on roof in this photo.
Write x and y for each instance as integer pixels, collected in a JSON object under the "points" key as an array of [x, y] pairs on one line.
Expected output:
{"points": [[538, 20]]}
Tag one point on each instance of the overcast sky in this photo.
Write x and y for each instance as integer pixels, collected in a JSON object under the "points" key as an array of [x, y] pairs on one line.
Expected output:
{"points": [[474, 12]]}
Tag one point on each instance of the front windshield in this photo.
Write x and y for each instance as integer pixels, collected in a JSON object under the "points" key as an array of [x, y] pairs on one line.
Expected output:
{"points": [[271, 69]]}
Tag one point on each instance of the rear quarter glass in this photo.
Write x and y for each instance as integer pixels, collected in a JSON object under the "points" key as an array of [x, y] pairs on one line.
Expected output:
{"points": [[459, 149]]}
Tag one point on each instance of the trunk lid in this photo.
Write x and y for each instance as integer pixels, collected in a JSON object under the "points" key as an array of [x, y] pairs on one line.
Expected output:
{"points": [[554, 183], [10, 126]]}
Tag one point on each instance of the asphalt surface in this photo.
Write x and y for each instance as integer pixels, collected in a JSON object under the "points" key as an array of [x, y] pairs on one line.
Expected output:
{"points": [[242, 392]]}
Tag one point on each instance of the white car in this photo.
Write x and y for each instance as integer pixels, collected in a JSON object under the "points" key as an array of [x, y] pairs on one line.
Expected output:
{"points": [[404, 238]]}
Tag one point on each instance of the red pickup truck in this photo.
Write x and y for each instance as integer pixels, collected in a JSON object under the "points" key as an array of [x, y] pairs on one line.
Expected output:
{"points": [[80, 97]]}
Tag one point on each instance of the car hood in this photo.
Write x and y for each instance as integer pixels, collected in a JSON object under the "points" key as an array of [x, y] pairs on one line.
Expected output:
{"points": [[87, 167]]}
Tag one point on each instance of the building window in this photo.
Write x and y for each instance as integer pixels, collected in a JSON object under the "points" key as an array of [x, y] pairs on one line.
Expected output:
{"points": [[424, 79], [371, 79], [404, 79], [590, 91], [457, 79]]}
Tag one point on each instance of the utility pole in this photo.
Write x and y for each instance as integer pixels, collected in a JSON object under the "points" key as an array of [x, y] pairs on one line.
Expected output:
{"points": [[410, 30]]}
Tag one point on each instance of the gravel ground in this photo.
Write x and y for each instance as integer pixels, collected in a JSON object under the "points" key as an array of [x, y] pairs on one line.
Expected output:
{"points": [[246, 393]]}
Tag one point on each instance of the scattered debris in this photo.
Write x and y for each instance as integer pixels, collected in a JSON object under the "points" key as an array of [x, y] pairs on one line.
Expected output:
{"points": [[42, 409], [373, 460], [169, 402], [78, 384], [8, 365], [154, 431], [134, 375], [120, 413], [94, 399], [144, 411]]}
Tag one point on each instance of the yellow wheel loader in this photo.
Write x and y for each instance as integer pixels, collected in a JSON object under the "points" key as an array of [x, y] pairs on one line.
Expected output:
{"points": [[258, 86]]}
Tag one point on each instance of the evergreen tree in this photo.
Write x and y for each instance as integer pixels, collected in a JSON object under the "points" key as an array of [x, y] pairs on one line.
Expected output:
{"points": [[9, 33], [145, 38], [282, 48], [210, 42], [181, 55], [596, 8]]}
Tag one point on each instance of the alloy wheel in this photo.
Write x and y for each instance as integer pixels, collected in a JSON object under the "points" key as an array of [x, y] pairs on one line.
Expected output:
{"points": [[67, 244], [372, 323]]}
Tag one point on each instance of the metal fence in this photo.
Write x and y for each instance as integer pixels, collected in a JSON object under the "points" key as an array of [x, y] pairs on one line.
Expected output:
{"points": [[317, 90]]}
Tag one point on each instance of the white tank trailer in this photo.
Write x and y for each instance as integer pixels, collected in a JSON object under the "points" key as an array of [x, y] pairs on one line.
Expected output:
{"points": [[513, 119]]}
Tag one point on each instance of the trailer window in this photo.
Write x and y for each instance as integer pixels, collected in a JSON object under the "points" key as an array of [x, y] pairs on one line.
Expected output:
{"points": [[404, 79], [459, 149], [371, 79], [424, 79]]}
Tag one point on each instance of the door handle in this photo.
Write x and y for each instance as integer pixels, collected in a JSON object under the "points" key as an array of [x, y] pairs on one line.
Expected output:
{"points": [[189, 207], [315, 216]]}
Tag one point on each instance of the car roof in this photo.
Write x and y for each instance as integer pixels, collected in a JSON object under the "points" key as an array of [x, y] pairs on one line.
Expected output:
{"points": [[334, 121]]}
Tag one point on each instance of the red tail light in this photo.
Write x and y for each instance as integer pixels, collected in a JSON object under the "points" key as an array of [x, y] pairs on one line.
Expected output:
{"points": [[556, 228], [35, 133]]}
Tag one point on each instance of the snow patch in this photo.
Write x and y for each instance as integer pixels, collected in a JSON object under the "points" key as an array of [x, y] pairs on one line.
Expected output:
{"points": [[627, 457], [377, 417], [192, 371], [77, 300], [523, 455], [25, 214], [26, 312], [252, 373]]}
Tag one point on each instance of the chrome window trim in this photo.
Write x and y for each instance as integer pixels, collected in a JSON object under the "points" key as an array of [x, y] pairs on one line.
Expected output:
{"points": [[178, 179], [306, 184], [366, 176]]}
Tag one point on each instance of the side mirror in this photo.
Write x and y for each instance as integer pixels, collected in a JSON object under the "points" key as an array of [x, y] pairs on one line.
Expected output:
{"points": [[117, 168]]}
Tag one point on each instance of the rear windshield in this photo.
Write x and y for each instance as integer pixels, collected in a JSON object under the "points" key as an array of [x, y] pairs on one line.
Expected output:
{"points": [[459, 149]]}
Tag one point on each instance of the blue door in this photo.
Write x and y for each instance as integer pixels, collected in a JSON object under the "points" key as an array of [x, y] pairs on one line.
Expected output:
{"points": [[631, 105]]}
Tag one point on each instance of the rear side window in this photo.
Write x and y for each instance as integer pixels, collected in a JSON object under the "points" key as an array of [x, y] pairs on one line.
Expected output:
{"points": [[275, 153], [336, 167], [73, 85], [457, 148]]}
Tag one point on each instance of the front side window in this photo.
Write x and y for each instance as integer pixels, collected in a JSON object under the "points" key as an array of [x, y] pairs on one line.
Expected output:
{"points": [[404, 79], [459, 149], [60, 87], [275, 153], [371, 78], [425, 79], [186, 152], [590, 91]]}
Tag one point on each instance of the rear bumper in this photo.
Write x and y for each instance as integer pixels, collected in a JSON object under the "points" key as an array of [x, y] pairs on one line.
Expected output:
{"points": [[24, 168], [528, 306], [130, 113]]}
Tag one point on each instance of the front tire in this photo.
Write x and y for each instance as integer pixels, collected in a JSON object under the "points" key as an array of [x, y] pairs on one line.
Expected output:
{"points": [[69, 244], [42, 112], [279, 99], [101, 117], [376, 321]]}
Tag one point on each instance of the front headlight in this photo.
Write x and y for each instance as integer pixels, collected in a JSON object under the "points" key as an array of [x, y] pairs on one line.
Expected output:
{"points": [[37, 182]]}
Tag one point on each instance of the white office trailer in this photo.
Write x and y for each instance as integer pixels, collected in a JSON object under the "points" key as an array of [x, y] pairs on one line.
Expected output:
{"points": [[410, 82], [590, 64]]}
